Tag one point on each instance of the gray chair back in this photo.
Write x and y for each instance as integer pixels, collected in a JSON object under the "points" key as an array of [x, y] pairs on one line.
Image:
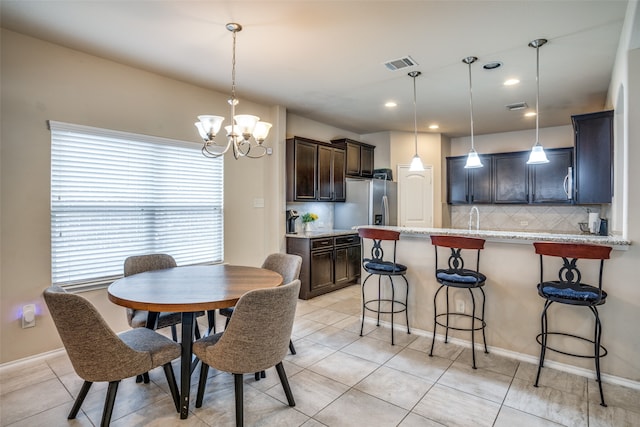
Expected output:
{"points": [[141, 263], [96, 352], [256, 338], [287, 265]]}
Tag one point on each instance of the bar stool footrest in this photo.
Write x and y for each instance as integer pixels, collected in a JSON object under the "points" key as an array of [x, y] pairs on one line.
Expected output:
{"points": [[483, 324], [403, 306], [603, 350]]}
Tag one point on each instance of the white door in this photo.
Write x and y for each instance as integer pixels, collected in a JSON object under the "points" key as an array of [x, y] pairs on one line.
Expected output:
{"points": [[415, 191]]}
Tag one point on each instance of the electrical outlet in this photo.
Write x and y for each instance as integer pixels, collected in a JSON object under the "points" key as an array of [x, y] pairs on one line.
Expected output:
{"points": [[524, 223], [29, 316], [460, 306]]}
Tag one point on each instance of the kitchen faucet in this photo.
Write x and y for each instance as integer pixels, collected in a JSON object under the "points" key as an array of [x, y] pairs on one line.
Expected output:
{"points": [[474, 208]]}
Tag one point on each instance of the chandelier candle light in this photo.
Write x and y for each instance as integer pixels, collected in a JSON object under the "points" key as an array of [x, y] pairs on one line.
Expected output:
{"points": [[473, 161], [242, 128], [416, 162], [537, 155]]}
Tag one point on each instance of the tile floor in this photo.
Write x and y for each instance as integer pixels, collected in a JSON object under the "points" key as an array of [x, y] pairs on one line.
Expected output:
{"points": [[338, 379]]}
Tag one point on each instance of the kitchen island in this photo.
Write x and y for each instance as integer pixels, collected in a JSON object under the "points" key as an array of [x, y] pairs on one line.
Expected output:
{"points": [[513, 306]]}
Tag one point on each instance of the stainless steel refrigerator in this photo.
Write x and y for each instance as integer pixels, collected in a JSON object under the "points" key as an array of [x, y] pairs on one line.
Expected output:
{"points": [[369, 202]]}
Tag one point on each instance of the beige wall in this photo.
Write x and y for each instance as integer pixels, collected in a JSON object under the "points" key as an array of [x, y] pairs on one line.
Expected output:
{"points": [[42, 81]]}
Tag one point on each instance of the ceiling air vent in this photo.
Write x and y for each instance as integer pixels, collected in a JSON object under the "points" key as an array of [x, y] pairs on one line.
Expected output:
{"points": [[399, 64], [517, 106]]}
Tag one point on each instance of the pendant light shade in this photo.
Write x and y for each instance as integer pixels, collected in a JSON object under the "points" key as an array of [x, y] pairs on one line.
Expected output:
{"points": [[473, 160], [416, 162], [537, 155]]}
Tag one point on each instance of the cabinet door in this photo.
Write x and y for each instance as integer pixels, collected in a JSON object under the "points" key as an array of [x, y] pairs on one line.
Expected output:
{"points": [[305, 172], [353, 158], [510, 178], [339, 185], [593, 157], [354, 257], [550, 181], [480, 182], [366, 161], [341, 265], [321, 266], [325, 174], [457, 181]]}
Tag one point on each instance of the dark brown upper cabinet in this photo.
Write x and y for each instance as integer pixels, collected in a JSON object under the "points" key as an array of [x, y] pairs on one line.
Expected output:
{"points": [[468, 185], [315, 171], [593, 157], [359, 157], [511, 178], [552, 182], [507, 179]]}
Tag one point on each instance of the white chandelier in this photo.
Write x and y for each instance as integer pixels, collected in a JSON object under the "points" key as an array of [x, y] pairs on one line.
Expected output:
{"points": [[243, 126]]}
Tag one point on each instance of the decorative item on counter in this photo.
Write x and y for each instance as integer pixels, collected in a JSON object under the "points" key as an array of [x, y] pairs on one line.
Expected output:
{"points": [[307, 219]]}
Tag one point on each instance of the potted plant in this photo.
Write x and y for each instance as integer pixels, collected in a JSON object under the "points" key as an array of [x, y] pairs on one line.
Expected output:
{"points": [[307, 219]]}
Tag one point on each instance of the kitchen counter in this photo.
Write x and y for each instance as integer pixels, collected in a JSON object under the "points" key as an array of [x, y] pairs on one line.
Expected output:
{"points": [[525, 237], [513, 306], [321, 233]]}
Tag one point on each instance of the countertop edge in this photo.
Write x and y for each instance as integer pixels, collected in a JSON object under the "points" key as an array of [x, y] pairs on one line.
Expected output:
{"points": [[321, 233], [515, 236]]}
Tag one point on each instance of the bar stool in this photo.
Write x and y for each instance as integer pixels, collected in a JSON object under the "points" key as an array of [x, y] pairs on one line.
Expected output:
{"points": [[380, 266], [455, 275], [569, 289]]}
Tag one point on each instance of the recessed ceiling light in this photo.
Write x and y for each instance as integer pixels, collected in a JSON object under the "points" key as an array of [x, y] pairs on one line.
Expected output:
{"points": [[390, 104], [530, 114], [434, 126], [511, 82], [492, 65]]}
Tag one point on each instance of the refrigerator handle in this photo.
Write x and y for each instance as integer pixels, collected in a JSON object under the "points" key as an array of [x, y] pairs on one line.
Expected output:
{"points": [[385, 209]]}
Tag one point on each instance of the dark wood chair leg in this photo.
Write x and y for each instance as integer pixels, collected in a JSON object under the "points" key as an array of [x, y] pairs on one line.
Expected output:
{"points": [[145, 377], [108, 404], [211, 317], [173, 386], [285, 384], [257, 376], [204, 371], [239, 400], [83, 393], [292, 349], [174, 333]]}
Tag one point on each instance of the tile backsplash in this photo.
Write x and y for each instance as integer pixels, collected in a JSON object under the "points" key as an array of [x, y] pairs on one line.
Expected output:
{"points": [[549, 219]]}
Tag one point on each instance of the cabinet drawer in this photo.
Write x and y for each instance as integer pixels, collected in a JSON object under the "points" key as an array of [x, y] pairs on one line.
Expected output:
{"points": [[325, 243], [347, 240]]}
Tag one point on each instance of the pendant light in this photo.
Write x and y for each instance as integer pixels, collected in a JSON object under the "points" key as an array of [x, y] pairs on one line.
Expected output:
{"points": [[537, 155], [243, 126], [416, 162], [473, 161]]}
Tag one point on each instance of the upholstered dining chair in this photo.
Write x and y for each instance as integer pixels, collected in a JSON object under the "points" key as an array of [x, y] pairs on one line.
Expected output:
{"points": [[256, 339], [288, 266], [99, 355], [138, 318]]}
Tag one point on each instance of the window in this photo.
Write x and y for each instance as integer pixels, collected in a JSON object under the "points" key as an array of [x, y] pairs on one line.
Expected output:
{"points": [[116, 194]]}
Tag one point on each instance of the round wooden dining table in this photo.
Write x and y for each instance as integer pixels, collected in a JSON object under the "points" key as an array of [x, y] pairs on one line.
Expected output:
{"points": [[188, 290]]}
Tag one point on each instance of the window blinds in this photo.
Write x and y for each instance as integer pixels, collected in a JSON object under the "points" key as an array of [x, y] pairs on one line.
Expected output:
{"points": [[116, 194]]}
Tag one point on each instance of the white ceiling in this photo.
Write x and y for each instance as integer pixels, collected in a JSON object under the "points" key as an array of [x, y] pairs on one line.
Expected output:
{"points": [[324, 59]]}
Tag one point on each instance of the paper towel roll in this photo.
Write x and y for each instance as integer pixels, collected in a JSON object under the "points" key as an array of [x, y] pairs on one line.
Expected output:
{"points": [[594, 222]]}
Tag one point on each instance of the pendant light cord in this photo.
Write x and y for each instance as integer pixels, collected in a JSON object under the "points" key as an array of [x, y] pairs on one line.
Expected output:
{"points": [[537, 90], [471, 104], [415, 114]]}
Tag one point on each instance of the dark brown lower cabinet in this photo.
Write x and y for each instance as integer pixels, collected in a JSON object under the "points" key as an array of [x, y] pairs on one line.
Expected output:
{"points": [[328, 263]]}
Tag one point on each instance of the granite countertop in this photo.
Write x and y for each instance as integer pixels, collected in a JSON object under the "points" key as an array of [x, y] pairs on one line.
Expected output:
{"points": [[517, 236], [321, 233]]}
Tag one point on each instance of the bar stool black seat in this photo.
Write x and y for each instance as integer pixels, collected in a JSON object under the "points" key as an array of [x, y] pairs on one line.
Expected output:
{"points": [[382, 266], [455, 275], [569, 289]]}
